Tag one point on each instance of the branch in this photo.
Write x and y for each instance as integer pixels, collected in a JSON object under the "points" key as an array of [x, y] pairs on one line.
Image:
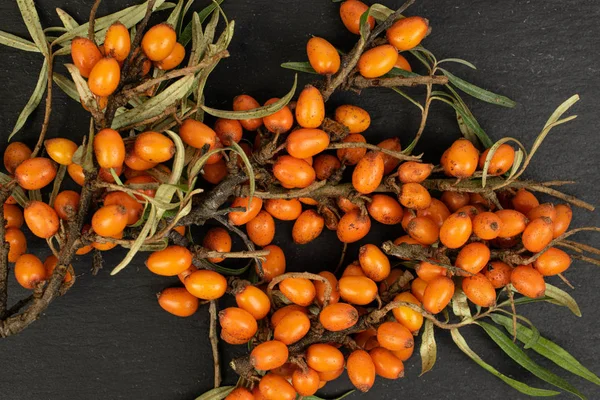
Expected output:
{"points": [[353, 145], [214, 342], [359, 82], [92, 21], [5, 192]]}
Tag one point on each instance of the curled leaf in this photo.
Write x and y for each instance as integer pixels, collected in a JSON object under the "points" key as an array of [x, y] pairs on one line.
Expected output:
{"points": [[563, 298]]}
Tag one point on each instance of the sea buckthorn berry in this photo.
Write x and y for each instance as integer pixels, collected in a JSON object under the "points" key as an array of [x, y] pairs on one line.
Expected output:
{"points": [[564, 215], [135, 163], [361, 370], [280, 121], [487, 225], [339, 316], [308, 201], [351, 11], [417, 288], [178, 301], [498, 273], [105, 77], [394, 336], [60, 150], [346, 205], [132, 206], [552, 262], [391, 279], [217, 239], [524, 201], [322, 56], [105, 174], [261, 229], [353, 269], [455, 200], [428, 271], [173, 59], [244, 103], [407, 240], [414, 172], [228, 130], [538, 234], [424, 230], [473, 257], [293, 172], [14, 155], [285, 210], [240, 393], [456, 230], [109, 148], [159, 42], [437, 212], [409, 318], [41, 219], [461, 159], [368, 173], [479, 290], [117, 42], [528, 281], [353, 226], [85, 55], [403, 63], [169, 262], [352, 156], [278, 315], [50, 264], [252, 209], [306, 382], [183, 275], [29, 271], [356, 119], [325, 165], [304, 142], [269, 355], [320, 288], [110, 220], [237, 322], [543, 210], [107, 245], [328, 376], [387, 365], [142, 179], [253, 300], [501, 161], [324, 358], [35, 173], [358, 290], [415, 196], [404, 354], [154, 147], [506, 243], [390, 162], [274, 387], [377, 61], [409, 215], [197, 134], [17, 243], [274, 264], [299, 291], [385, 209], [374, 262], [307, 227], [407, 33], [471, 211], [230, 339], [13, 216], [292, 327], [310, 108], [438, 294], [214, 173], [66, 204]]}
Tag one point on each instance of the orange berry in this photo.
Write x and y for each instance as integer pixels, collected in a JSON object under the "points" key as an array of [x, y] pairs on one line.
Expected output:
{"points": [[563, 218], [455, 200], [385, 209], [358, 290], [406, 239], [310, 109], [543, 210], [13, 216], [50, 265], [487, 225], [456, 230], [173, 59], [324, 357], [438, 294], [17, 243], [261, 229], [501, 161], [339, 316], [293, 172], [105, 77], [292, 327], [414, 172], [394, 336], [390, 162], [299, 291], [325, 165], [274, 387], [41, 219], [285, 210], [244, 103], [197, 134], [353, 226], [437, 212], [513, 223], [237, 322], [66, 203], [215, 173], [154, 147], [409, 318], [269, 355], [280, 314], [142, 179], [306, 382], [228, 338], [387, 365], [322, 56], [29, 271], [109, 148], [424, 230], [217, 239], [361, 370], [228, 130], [303, 143], [110, 220], [415, 196], [460, 159], [368, 174], [170, 262], [473, 257], [351, 11], [552, 262], [334, 297], [353, 269], [159, 41], [428, 271], [404, 354], [498, 273], [377, 61], [253, 300], [178, 301], [391, 279], [307, 227], [60, 150], [407, 33], [274, 264], [374, 262], [133, 208], [328, 376], [35, 173], [403, 63], [85, 55], [538, 234], [117, 42], [252, 210], [528, 281], [352, 156], [14, 154], [135, 163], [524, 201], [356, 119], [280, 121], [479, 290], [240, 393], [346, 205]]}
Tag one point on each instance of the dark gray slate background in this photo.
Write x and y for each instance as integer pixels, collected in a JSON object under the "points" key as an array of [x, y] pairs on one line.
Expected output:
{"points": [[108, 339]]}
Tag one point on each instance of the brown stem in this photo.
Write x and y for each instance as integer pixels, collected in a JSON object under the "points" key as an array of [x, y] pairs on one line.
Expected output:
{"points": [[244, 237], [214, 342], [359, 82], [92, 21], [424, 116], [353, 145], [5, 192], [48, 109]]}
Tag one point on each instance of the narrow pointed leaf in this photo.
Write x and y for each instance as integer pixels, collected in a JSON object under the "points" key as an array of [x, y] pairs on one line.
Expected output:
{"points": [[68, 21], [186, 35], [337, 398], [217, 393], [300, 66], [400, 72], [173, 19], [85, 94], [459, 61], [66, 85], [8, 39], [380, 12], [468, 120], [32, 21], [34, 100], [478, 92], [460, 305], [249, 170], [428, 348], [563, 298]]}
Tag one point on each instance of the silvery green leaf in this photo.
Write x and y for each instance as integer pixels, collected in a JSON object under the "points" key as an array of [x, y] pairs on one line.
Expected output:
{"points": [[8, 39], [459, 61], [149, 225], [300, 66], [173, 19], [68, 21], [34, 100], [428, 348], [85, 95], [563, 298], [32, 21], [217, 393], [478, 92], [66, 85]]}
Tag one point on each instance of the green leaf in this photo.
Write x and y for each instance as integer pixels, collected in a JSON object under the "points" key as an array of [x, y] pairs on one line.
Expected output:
{"points": [[460, 305], [468, 120], [217, 393], [400, 72], [257, 112], [68, 21], [8, 39], [139, 241], [548, 349], [60, 175], [563, 298], [300, 66], [459, 61], [173, 19], [34, 100], [337, 398], [407, 97], [364, 26], [227, 271], [186, 35], [478, 92], [466, 131], [85, 94], [428, 348], [380, 12], [197, 38], [519, 356], [66, 85], [520, 386], [249, 169], [32, 21]]}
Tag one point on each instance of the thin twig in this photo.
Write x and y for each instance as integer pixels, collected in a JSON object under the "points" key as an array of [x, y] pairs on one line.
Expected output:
{"points": [[359, 82], [48, 109], [214, 342], [92, 21], [354, 145]]}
